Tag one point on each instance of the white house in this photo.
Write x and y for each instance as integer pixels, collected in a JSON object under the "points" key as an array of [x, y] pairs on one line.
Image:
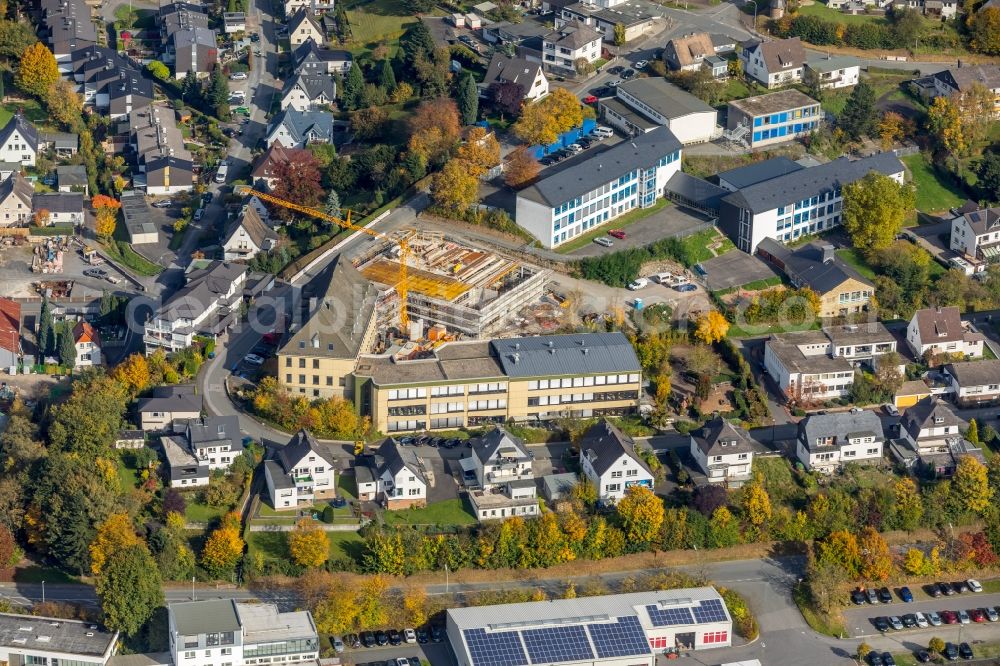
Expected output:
{"points": [[303, 26], [975, 383], [827, 441], [960, 80], [975, 234], [775, 63], [248, 236], [62, 207], [662, 103], [832, 72], [297, 129], [519, 71], [609, 459], [88, 345], [301, 473], [394, 475], [567, 45], [315, 6], [16, 195], [167, 405], [942, 331], [215, 441], [630, 175], [19, 142], [305, 92], [504, 478], [931, 437], [723, 452]]}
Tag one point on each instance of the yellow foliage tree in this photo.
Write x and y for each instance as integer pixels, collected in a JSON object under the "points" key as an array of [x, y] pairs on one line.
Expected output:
{"points": [[481, 151], [971, 486], [876, 564], [756, 504], [64, 104], [37, 71], [42, 217], [308, 544], [107, 214], [642, 515], [890, 129], [114, 534], [134, 373], [455, 187], [223, 550], [711, 327], [945, 124], [543, 121], [415, 606]]}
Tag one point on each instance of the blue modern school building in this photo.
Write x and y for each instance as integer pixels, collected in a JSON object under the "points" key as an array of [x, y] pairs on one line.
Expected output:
{"points": [[776, 117]]}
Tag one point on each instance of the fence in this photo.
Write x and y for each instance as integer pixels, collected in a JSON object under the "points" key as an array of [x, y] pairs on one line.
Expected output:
{"points": [[565, 139]]}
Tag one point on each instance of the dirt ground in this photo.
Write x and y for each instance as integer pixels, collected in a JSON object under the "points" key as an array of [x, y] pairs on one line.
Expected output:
{"points": [[33, 387]]}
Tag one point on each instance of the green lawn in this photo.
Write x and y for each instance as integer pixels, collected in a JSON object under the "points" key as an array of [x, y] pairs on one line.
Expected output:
{"points": [[448, 512], [855, 261], [196, 512], [821, 10], [933, 194], [347, 487], [31, 110], [128, 477], [382, 20], [274, 545], [348, 545], [625, 220], [988, 354], [756, 285], [37, 574], [697, 245]]}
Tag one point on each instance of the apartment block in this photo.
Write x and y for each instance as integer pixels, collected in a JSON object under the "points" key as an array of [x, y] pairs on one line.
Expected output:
{"points": [[29, 640]]}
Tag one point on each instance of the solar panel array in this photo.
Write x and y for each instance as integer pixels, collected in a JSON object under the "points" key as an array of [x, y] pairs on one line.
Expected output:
{"points": [[497, 649], [668, 617], [557, 644], [623, 638], [710, 610]]}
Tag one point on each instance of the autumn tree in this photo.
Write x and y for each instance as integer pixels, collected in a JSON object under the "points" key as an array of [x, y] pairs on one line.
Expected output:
{"points": [[620, 34], [876, 563], [129, 589], [874, 210], [891, 128], [841, 550], [114, 534], [908, 503], [972, 434], [506, 97], [308, 543], [970, 486], [42, 217], [944, 122], [984, 27], [37, 71], [435, 128], [106, 212], [369, 123], [641, 513], [723, 528], [756, 504], [224, 548], [481, 150], [158, 70], [134, 373], [298, 179], [522, 168], [64, 104], [455, 188], [542, 122], [10, 552], [976, 107], [711, 327]]}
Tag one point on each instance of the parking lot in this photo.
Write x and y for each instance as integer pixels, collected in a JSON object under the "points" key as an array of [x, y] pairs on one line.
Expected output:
{"points": [[735, 268], [668, 221], [17, 279]]}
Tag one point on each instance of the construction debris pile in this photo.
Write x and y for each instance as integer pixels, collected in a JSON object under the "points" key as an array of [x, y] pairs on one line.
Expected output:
{"points": [[47, 257]]}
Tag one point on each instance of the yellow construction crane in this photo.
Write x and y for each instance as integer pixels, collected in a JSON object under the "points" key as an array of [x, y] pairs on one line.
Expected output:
{"points": [[402, 285]]}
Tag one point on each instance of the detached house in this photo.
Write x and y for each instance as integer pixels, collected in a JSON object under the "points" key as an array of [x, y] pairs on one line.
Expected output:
{"points": [[502, 482], [302, 27], [976, 235], [774, 64], [609, 459], [567, 45], [16, 195], [88, 345], [63, 207], [827, 441], [19, 142], [942, 331], [298, 129], [263, 173], [688, 53], [167, 405], [960, 80], [300, 473], [311, 59], [974, 383], [198, 447], [723, 452], [519, 71], [305, 92], [248, 237], [841, 289], [931, 438], [830, 72], [394, 476]]}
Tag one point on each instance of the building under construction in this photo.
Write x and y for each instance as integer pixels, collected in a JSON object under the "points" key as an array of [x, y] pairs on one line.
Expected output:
{"points": [[463, 289]]}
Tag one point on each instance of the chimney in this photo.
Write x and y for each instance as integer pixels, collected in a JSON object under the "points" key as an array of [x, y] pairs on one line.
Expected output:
{"points": [[828, 254]]}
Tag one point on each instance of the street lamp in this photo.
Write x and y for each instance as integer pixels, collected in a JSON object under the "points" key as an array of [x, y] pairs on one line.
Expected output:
{"points": [[754, 28]]}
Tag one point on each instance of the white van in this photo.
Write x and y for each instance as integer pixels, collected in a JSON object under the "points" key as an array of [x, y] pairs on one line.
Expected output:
{"points": [[220, 175], [604, 132], [604, 240]]}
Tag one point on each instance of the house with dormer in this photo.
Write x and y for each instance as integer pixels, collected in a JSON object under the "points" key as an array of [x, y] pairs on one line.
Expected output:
{"points": [[300, 473], [723, 452], [931, 439], [500, 477], [775, 63], [975, 234], [88, 345], [309, 58], [826, 441], [168, 405], [298, 129], [303, 26], [19, 142], [393, 475], [263, 173], [305, 92], [519, 71], [198, 447], [248, 236], [942, 331], [608, 458], [688, 53]]}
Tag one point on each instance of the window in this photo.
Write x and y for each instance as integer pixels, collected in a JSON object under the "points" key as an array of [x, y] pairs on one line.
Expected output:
{"points": [[712, 637], [189, 655], [616, 474]]}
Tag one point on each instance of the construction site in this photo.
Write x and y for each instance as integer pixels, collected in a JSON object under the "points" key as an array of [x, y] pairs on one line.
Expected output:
{"points": [[453, 288]]}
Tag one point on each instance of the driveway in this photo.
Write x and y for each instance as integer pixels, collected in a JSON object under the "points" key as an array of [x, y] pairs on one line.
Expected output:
{"points": [[670, 220], [735, 268]]}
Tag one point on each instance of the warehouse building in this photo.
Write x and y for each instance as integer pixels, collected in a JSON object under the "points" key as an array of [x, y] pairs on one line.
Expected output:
{"points": [[659, 102], [615, 629]]}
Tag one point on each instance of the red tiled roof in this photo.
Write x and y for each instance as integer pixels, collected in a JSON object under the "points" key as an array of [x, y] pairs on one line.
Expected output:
{"points": [[84, 332], [10, 325]]}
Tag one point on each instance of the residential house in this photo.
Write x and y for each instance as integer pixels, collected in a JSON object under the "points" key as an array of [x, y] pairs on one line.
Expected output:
{"points": [[723, 452], [190, 44], [931, 439], [207, 304], [168, 405], [827, 441], [525, 73], [138, 218], [67, 25], [933, 331], [164, 165], [394, 475], [774, 63], [975, 383], [658, 102], [723, 43], [306, 92], [798, 203], [832, 72], [608, 458], [263, 173], [318, 359], [300, 473], [215, 441], [10, 334], [234, 22], [773, 118], [975, 234], [960, 80], [19, 141], [304, 26], [110, 82], [36, 639], [500, 476], [16, 195], [297, 129], [811, 366], [688, 53], [628, 176], [219, 632], [130, 439], [72, 178], [841, 289], [311, 59], [63, 207], [247, 237], [317, 7], [571, 45], [637, 20], [88, 345], [62, 144]]}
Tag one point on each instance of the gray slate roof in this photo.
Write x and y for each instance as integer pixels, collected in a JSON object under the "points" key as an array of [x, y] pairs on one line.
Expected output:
{"points": [[758, 172], [17, 186], [297, 448], [603, 167], [983, 220], [204, 286], [209, 616], [805, 266], [975, 373], [70, 175], [664, 97], [824, 64], [514, 70], [604, 445], [712, 435], [64, 636], [313, 85], [396, 457], [576, 354], [279, 477], [59, 202], [840, 426], [254, 226], [574, 35], [924, 413], [302, 123], [171, 399], [962, 78], [782, 54], [485, 447], [213, 431], [799, 185]]}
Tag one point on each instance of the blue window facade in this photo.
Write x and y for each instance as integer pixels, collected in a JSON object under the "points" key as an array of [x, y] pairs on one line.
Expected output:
{"points": [[785, 124]]}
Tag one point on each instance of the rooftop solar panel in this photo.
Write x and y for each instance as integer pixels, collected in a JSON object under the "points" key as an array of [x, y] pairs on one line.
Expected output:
{"points": [[556, 644], [666, 617], [623, 638], [710, 610], [498, 649]]}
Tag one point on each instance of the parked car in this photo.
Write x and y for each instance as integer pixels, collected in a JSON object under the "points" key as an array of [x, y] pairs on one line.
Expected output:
{"points": [[437, 634], [684, 288], [974, 585], [949, 617], [875, 659], [395, 638], [961, 587], [605, 241], [422, 636], [895, 622], [890, 409], [977, 615], [887, 659], [352, 640], [872, 595], [167, 203], [963, 617], [96, 273], [921, 620], [615, 83], [617, 69], [884, 595], [638, 283], [934, 619], [617, 233], [198, 214], [238, 76], [368, 639], [641, 64], [253, 359], [950, 651], [590, 99], [909, 620], [881, 623], [922, 656], [905, 594], [409, 635], [628, 74], [933, 590], [574, 148], [858, 597], [381, 637], [965, 651], [700, 270], [336, 644], [946, 589], [991, 614]]}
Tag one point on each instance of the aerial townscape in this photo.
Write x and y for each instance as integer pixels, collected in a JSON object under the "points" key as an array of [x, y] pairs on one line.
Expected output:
{"points": [[499, 332]]}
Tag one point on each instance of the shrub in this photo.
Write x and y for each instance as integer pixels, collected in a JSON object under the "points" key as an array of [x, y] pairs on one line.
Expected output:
{"points": [[743, 619]]}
